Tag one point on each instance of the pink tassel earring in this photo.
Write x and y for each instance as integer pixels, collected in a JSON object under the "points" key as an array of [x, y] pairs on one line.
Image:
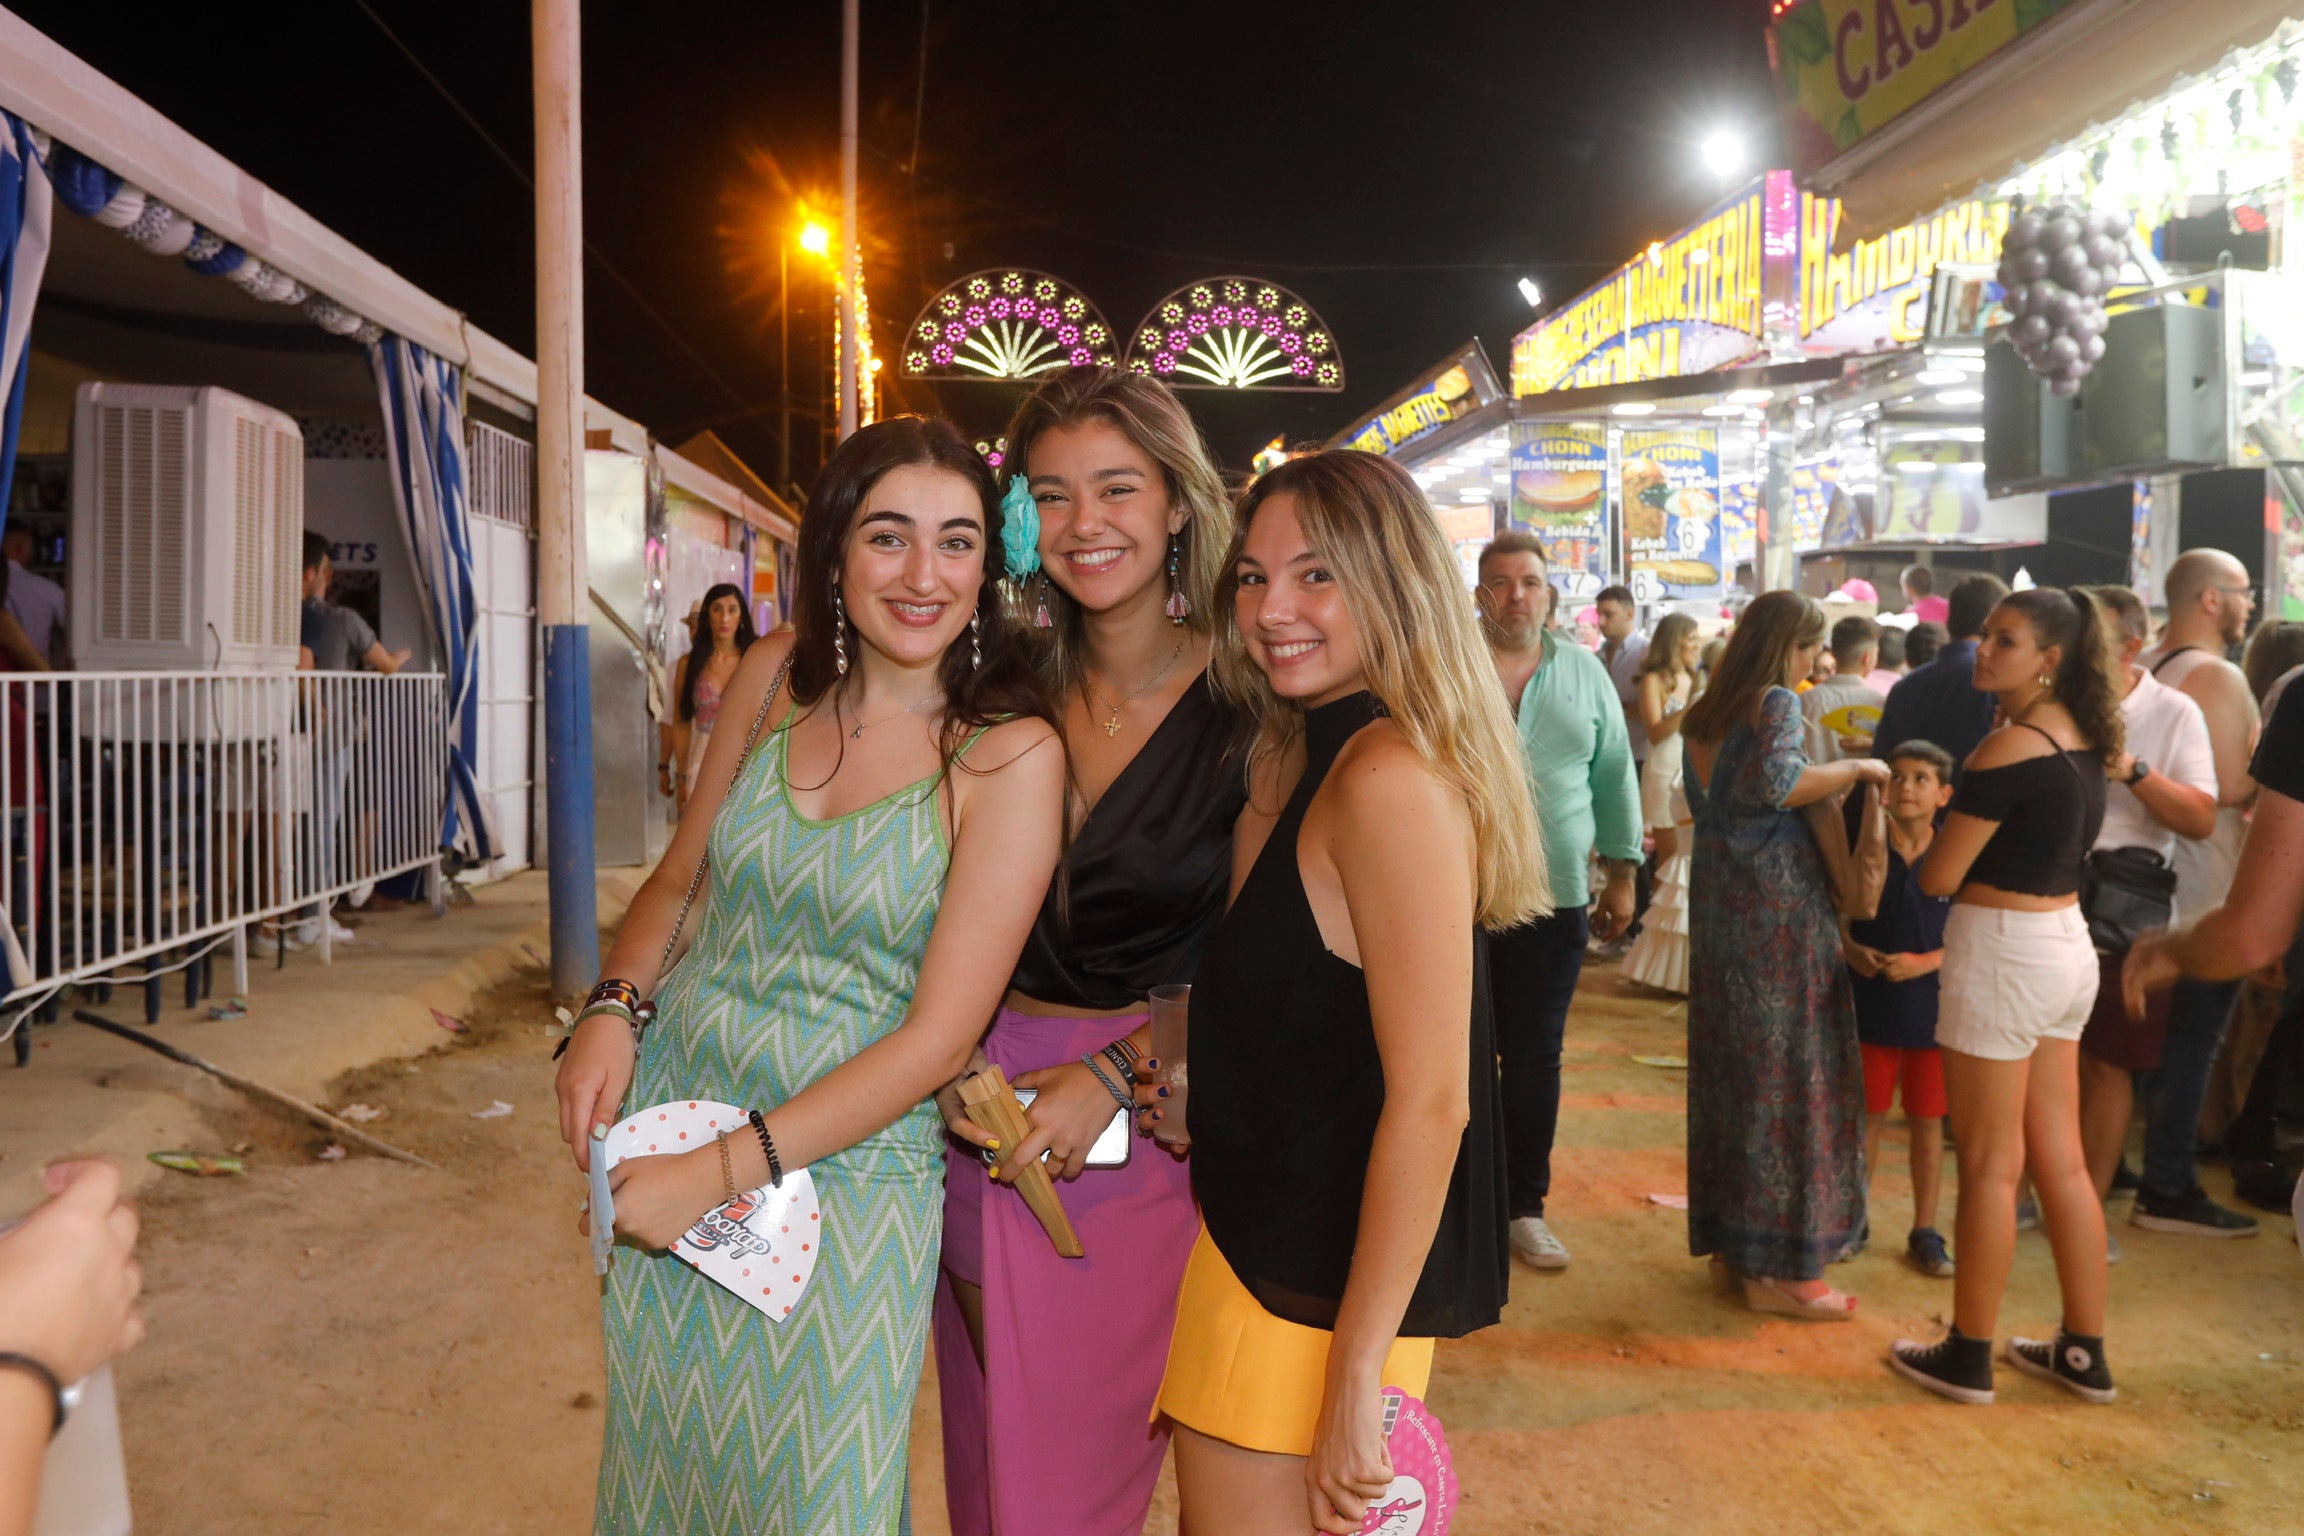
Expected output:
{"points": [[1040, 619], [1178, 607]]}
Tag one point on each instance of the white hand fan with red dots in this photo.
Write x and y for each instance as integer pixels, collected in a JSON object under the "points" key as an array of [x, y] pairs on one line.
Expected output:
{"points": [[762, 1245]]}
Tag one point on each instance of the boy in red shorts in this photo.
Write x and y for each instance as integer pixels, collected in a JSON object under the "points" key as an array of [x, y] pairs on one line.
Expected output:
{"points": [[1893, 958]]}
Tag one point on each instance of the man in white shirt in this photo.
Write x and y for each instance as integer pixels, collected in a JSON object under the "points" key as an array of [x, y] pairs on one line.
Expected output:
{"points": [[2210, 601], [2163, 789], [36, 602], [1843, 710]]}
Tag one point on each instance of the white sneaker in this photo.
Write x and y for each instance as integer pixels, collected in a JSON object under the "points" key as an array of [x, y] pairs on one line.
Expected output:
{"points": [[359, 894], [269, 945], [1533, 1241]]}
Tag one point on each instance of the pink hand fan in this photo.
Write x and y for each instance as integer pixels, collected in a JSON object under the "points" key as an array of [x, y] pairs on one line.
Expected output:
{"points": [[762, 1245], [1422, 1497]]}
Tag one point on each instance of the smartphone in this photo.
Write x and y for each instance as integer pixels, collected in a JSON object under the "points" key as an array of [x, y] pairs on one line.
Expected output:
{"points": [[1112, 1143]]}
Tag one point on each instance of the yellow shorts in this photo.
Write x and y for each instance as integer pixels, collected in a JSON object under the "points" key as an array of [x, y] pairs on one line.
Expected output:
{"points": [[1239, 1374]]}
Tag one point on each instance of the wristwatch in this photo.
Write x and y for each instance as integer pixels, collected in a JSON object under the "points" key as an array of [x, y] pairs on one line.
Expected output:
{"points": [[2138, 772]]}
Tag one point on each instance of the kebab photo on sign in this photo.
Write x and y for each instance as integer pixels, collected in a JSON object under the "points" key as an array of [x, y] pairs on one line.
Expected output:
{"points": [[2056, 264]]}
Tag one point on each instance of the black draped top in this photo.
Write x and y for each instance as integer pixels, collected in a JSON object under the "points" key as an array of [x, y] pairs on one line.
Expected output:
{"points": [[1287, 1086], [1143, 882]]}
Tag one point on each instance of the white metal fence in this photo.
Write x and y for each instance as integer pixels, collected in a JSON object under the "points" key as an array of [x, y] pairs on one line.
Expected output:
{"points": [[153, 816]]}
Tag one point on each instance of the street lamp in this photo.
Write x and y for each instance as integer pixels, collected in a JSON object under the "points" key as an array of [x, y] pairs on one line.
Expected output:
{"points": [[1533, 294], [1723, 152], [816, 241]]}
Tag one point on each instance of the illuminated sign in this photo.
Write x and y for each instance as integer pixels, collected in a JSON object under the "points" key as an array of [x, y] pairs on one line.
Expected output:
{"points": [[1559, 493], [1458, 387], [1846, 68], [1669, 486], [1758, 273], [1687, 305], [1875, 295]]}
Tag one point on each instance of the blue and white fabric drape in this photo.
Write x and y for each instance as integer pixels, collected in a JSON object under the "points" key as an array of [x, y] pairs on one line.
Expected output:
{"points": [[424, 440], [27, 202]]}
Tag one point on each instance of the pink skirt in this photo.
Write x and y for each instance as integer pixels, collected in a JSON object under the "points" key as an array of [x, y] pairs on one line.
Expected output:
{"points": [[1050, 1432]]}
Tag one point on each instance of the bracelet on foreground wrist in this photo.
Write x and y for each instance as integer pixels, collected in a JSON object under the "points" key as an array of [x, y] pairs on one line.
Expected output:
{"points": [[59, 1409], [768, 1149], [1120, 1096]]}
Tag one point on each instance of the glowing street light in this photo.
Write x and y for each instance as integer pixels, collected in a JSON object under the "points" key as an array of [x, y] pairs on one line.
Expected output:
{"points": [[1723, 152], [1533, 294], [815, 239]]}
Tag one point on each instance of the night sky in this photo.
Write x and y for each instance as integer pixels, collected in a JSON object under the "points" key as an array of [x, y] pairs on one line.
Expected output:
{"points": [[1399, 166]]}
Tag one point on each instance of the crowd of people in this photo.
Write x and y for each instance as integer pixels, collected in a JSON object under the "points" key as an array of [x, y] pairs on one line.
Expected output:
{"points": [[1036, 745]]}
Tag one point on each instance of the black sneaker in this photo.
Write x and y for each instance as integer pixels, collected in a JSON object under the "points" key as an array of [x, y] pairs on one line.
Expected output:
{"points": [[1955, 1366], [2072, 1362], [2193, 1215], [2264, 1184], [2124, 1180], [1925, 1251]]}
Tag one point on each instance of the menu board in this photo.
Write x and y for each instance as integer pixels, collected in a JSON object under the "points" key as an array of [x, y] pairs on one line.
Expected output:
{"points": [[1669, 488], [1559, 493], [1739, 525]]}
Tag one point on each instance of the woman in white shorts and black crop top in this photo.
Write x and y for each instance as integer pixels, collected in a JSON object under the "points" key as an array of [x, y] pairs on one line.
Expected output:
{"points": [[2018, 981]]}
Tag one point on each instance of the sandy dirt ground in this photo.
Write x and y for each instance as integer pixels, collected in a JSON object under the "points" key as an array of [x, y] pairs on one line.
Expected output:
{"points": [[358, 1346]]}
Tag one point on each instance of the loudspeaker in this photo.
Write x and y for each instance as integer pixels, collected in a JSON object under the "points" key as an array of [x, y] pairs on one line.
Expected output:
{"points": [[2155, 400], [2031, 438]]}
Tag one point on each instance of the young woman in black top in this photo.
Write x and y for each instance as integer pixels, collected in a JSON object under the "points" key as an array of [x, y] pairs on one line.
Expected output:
{"points": [[2019, 978], [1047, 1366], [1344, 1086]]}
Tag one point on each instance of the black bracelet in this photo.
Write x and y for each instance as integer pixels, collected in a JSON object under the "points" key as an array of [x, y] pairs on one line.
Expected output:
{"points": [[1122, 1064], [9, 1357], [768, 1148]]}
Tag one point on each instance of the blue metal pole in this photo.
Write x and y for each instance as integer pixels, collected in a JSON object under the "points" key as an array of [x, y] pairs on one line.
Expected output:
{"points": [[568, 807]]}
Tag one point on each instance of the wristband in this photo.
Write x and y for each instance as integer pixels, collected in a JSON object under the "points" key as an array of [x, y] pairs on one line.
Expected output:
{"points": [[1121, 1063], [1118, 1096], [58, 1407]]}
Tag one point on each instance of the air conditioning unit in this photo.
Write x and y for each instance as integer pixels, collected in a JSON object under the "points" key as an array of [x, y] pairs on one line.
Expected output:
{"points": [[187, 530]]}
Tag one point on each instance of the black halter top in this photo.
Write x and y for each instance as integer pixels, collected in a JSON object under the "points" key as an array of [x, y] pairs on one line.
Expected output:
{"points": [[1143, 881], [1287, 1087]]}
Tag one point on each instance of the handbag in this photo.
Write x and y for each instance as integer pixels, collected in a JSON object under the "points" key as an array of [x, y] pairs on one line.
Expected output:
{"points": [[1858, 870], [2125, 893]]}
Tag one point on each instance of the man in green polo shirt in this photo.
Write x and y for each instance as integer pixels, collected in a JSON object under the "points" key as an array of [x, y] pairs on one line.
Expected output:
{"points": [[1580, 763]]}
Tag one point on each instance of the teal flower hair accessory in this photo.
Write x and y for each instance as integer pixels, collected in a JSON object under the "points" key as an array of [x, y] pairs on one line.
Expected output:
{"points": [[1020, 528]]}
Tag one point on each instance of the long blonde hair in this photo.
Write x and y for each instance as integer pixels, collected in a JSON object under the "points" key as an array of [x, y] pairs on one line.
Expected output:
{"points": [[1420, 646], [1148, 414]]}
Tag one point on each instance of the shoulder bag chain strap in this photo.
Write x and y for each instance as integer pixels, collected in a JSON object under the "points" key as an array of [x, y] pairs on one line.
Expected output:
{"points": [[696, 881]]}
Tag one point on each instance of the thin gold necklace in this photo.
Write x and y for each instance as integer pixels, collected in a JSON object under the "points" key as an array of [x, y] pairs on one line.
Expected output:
{"points": [[910, 709], [1112, 726]]}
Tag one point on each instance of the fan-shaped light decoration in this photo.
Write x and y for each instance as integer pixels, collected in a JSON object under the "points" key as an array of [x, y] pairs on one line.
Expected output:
{"points": [[1007, 323], [1237, 333]]}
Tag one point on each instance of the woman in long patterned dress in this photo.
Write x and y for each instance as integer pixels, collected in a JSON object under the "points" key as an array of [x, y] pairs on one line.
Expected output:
{"points": [[874, 866], [1775, 1080]]}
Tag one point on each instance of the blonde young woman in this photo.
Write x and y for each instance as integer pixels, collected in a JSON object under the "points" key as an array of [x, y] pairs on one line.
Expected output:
{"points": [[873, 866], [1344, 1108], [1047, 1366], [1668, 682]]}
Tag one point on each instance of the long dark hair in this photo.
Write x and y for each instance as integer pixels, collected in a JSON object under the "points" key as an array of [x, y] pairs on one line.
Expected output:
{"points": [[975, 695], [1758, 648], [2074, 623], [700, 640]]}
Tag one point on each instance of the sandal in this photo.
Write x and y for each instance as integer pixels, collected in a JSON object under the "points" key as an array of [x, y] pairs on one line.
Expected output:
{"points": [[1771, 1296]]}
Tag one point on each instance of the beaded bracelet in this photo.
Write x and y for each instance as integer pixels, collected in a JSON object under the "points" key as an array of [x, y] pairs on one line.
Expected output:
{"points": [[768, 1149], [1119, 1095]]}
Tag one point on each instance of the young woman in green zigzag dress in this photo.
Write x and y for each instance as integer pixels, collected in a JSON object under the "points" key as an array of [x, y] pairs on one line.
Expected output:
{"points": [[874, 864]]}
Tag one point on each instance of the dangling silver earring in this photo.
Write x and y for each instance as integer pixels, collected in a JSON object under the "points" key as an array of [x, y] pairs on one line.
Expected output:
{"points": [[1178, 607], [976, 641], [839, 633]]}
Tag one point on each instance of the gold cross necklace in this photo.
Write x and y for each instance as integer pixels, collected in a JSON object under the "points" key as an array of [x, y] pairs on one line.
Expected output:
{"points": [[1112, 726]]}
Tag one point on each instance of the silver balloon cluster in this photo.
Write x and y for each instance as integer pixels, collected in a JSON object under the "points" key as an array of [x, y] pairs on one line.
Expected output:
{"points": [[2056, 265]]}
